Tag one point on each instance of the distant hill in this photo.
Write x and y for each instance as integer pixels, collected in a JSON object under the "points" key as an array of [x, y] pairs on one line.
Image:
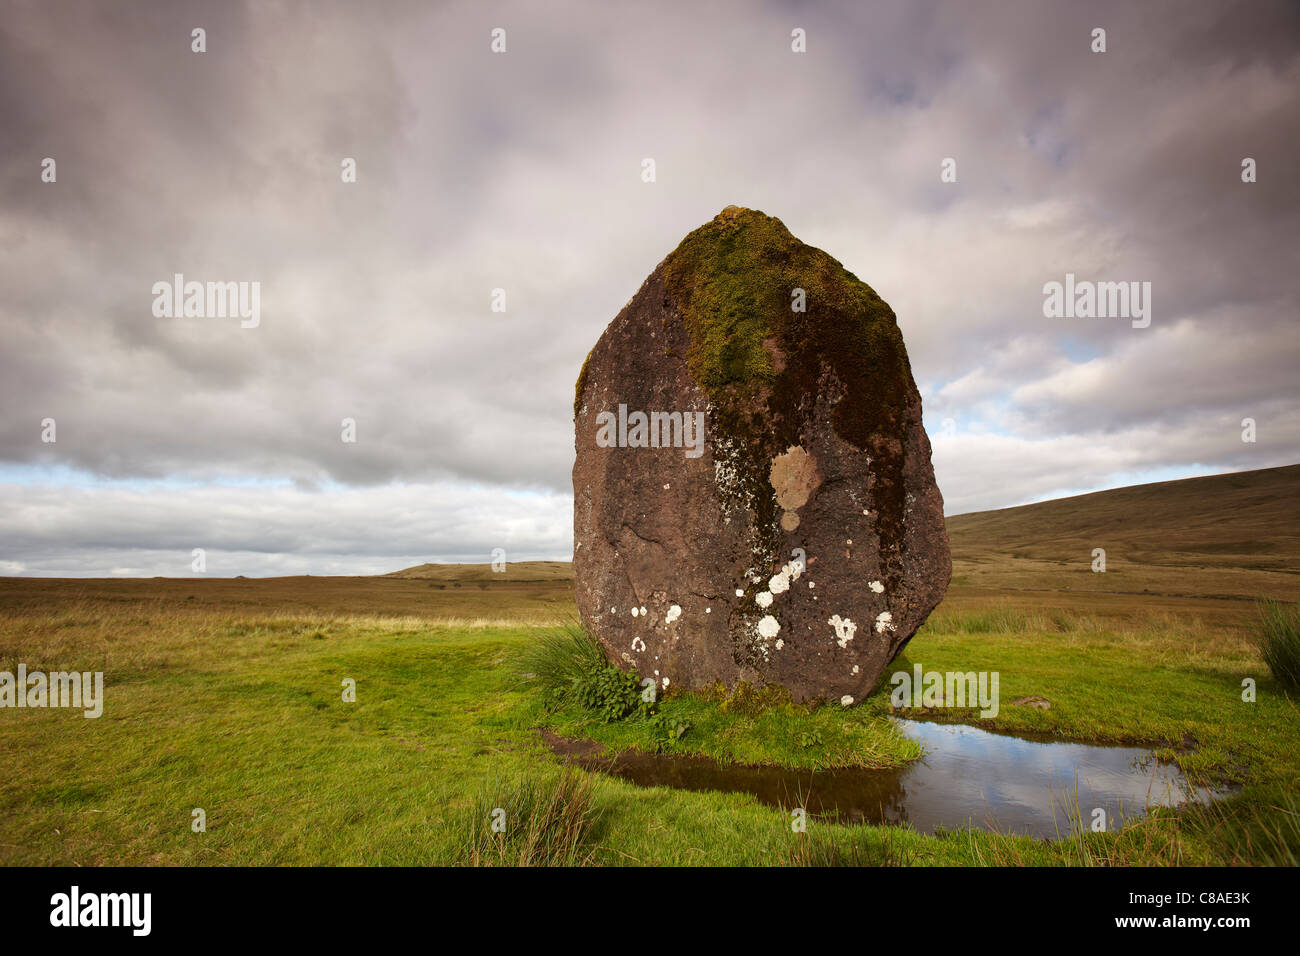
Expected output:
{"points": [[521, 572], [1223, 535], [1234, 535]]}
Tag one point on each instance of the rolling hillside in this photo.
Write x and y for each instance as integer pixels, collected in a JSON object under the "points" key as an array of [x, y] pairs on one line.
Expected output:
{"points": [[521, 572], [1233, 535]]}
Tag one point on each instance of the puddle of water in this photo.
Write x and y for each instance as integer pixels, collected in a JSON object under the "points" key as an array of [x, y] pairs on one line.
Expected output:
{"points": [[968, 777]]}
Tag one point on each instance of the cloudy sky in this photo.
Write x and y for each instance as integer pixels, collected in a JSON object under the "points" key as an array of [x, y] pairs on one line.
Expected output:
{"points": [[522, 171]]}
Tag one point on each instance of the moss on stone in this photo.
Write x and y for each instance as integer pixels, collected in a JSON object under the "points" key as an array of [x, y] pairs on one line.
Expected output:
{"points": [[762, 364], [734, 277], [581, 386]]}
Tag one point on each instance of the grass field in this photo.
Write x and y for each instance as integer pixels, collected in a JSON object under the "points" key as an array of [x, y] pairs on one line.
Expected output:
{"points": [[226, 695]]}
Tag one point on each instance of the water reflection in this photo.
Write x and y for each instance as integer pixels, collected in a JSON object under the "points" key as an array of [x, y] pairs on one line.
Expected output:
{"points": [[968, 777]]}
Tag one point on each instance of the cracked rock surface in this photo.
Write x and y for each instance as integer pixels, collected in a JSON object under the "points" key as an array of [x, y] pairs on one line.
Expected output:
{"points": [[800, 539]]}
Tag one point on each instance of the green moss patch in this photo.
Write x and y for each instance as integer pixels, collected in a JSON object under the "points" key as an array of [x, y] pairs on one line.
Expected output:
{"points": [[734, 278]]}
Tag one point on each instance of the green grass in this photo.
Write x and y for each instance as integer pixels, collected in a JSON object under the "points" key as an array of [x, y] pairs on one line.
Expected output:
{"points": [[744, 726], [1169, 685], [1279, 641], [242, 715]]}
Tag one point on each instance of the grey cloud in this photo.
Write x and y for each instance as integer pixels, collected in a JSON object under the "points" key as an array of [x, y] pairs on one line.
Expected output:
{"points": [[265, 529]]}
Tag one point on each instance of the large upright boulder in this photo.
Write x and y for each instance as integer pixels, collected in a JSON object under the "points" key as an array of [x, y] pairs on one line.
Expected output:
{"points": [[799, 540]]}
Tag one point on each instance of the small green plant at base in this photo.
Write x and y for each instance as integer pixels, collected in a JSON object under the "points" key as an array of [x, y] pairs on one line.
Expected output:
{"points": [[613, 694], [667, 730]]}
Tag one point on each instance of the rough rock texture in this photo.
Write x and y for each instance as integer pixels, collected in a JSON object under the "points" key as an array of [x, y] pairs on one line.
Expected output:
{"points": [[687, 559]]}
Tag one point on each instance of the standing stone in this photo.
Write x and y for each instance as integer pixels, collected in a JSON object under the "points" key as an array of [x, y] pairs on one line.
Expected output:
{"points": [[799, 540]]}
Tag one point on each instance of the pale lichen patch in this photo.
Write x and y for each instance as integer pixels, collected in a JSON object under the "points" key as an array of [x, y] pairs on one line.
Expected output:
{"points": [[844, 629]]}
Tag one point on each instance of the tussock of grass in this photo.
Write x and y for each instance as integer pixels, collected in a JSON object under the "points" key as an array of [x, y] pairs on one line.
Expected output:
{"points": [[532, 822], [559, 660], [1279, 641]]}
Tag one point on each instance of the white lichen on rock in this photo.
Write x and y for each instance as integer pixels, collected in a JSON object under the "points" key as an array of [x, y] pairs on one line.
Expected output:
{"points": [[673, 614], [844, 629], [763, 598], [877, 587], [768, 626], [884, 622], [780, 582]]}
